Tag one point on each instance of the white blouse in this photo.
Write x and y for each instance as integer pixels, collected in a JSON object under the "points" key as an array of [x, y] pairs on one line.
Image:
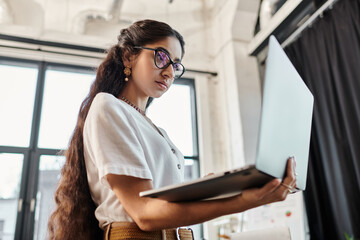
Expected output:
{"points": [[119, 140]]}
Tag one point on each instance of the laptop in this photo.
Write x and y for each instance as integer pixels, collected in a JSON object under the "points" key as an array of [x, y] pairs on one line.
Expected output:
{"points": [[285, 127]]}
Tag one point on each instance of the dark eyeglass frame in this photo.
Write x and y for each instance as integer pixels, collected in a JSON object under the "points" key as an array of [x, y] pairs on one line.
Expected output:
{"points": [[167, 54]]}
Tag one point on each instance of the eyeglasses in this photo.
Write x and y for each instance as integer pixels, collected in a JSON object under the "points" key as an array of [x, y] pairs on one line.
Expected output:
{"points": [[162, 60]]}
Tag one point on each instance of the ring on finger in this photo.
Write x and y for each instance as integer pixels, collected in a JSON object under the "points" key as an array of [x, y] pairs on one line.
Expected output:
{"points": [[290, 188], [286, 185]]}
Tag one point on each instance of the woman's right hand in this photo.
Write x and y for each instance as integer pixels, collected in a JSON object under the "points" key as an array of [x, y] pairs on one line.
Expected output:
{"points": [[273, 191]]}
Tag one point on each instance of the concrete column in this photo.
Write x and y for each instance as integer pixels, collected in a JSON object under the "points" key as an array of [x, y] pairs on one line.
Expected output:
{"points": [[247, 75], [238, 87], [235, 92]]}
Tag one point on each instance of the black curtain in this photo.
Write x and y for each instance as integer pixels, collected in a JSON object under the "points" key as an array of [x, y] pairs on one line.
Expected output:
{"points": [[327, 56]]}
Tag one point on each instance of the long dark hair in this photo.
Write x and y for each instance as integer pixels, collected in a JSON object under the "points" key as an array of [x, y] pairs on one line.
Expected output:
{"points": [[74, 216]]}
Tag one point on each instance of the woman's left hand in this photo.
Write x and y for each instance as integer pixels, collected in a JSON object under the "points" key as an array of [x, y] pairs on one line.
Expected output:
{"points": [[273, 191]]}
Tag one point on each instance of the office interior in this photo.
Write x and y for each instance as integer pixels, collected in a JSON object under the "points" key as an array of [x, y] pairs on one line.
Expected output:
{"points": [[49, 51]]}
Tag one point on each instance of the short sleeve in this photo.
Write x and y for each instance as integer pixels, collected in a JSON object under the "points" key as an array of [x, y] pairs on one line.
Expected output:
{"points": [[110, 139]]}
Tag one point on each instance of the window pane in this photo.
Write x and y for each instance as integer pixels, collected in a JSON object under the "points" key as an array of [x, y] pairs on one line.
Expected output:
{"points": [[191, 169], [17, 92], [63, 94], [10, 178], [172, 112], [49, 175]]}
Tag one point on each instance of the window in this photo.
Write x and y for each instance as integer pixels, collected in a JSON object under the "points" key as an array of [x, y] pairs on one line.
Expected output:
{"points": [[10, 178], [2, 223], [17, 93], [34, 98], [49, 175], [64, 91]]}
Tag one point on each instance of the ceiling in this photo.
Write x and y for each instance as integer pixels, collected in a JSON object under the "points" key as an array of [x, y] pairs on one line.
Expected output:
{"points": [[95, 22]]}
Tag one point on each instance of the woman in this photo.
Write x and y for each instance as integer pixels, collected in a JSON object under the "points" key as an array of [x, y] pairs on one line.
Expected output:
{"points": [[116, 152]]}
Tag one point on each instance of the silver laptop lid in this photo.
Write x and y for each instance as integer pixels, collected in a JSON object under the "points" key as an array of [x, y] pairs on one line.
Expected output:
{"points": [[286, 116]]}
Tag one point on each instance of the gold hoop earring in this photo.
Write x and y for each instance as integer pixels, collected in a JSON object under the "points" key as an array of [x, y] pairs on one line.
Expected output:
{"points": [[127, 72]]}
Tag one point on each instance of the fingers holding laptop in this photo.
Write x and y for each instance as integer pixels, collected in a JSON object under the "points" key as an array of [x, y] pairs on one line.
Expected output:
{"points": [[289, 182], [275, 190]]}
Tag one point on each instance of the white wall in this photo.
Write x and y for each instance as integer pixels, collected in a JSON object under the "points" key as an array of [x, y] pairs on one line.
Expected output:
{"points": [[233, 97]]}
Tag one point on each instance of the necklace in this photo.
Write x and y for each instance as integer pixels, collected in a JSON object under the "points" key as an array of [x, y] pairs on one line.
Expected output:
{"points": [[142, 112]]}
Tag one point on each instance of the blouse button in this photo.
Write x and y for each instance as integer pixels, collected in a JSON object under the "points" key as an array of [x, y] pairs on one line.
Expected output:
{"points": [[179, 166], [173, 150]]}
